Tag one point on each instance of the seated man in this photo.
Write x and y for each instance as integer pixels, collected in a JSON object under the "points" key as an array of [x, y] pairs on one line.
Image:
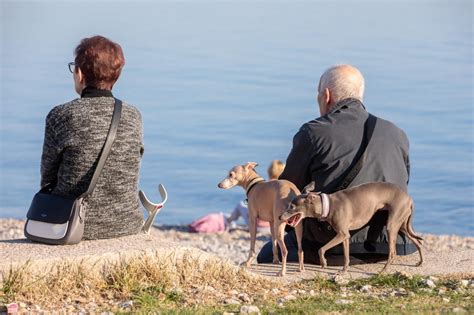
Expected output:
{"points": [[324, 149]]}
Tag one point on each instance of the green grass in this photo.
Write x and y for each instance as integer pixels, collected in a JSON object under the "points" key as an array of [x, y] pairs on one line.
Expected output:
{"points": [[155, 284]]}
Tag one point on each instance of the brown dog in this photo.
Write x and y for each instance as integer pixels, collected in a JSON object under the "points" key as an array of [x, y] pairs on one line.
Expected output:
{"points": [[351, 209], [266, 201]]}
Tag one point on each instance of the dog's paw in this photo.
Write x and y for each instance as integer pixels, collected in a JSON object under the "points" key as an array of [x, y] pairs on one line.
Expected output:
{"points": [[276, 262], [281, 273], [418, 264], [301, 269], [323, 263]]}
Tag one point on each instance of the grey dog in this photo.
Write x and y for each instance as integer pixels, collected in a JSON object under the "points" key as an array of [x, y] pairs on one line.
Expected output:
{"points": [[351, 209]]}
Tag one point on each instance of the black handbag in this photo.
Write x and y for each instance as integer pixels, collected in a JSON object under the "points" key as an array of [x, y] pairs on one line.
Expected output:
{"points": [[59, 220]]}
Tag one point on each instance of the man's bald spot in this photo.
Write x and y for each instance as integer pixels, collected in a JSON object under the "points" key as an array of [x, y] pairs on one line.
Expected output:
{"points": [[343, 81]]}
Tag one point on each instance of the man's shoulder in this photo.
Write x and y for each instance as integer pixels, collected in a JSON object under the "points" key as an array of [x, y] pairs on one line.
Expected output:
{"points": [[386, 128], [319, 127]]}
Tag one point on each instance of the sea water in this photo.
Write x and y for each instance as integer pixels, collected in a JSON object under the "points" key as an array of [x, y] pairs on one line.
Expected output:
{"points": [[222, 83]]}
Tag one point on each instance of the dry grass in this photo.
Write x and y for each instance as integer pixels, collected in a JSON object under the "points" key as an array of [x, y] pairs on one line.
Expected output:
{"points": [[171, 280]]}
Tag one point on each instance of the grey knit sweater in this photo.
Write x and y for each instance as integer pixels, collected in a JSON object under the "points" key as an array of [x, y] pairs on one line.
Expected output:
{"points": [[74, 136]]}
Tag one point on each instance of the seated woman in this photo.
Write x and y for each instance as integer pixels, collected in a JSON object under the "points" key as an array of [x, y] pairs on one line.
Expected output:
{"points": [[74, 136]]}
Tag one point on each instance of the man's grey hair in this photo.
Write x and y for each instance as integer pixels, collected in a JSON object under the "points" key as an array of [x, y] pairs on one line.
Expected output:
{"points": [[343, 81]]}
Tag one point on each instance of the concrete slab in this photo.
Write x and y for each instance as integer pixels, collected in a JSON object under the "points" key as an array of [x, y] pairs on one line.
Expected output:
{"points": [[17, 252]]}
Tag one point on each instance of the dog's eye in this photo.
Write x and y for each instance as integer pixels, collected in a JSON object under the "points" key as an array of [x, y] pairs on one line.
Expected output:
{"points": [[230, 174]]}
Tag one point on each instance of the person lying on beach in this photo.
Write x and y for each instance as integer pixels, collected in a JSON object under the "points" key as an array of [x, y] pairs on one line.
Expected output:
{"points": [[323, 151], [75, 134]]}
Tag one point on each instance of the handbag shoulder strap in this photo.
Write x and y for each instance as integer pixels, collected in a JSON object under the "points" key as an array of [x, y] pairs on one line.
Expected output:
{"points": [[356, 165], [106, 148]]}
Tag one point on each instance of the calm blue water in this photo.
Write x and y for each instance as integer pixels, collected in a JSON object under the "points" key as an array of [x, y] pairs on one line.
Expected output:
{"points": [[223, 83]]}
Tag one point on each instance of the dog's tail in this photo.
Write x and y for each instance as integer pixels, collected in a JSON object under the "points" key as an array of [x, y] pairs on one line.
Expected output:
{"points": [[410, 227]]}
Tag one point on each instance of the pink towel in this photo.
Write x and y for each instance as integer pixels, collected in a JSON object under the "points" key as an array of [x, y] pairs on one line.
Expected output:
{"points": [[211, 223]]}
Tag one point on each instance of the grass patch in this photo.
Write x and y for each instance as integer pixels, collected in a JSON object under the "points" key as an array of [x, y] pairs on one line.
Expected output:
{"points": [[187, 285]]}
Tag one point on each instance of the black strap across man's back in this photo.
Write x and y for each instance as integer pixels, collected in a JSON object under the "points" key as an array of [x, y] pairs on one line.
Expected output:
{"points": [[361, 155]]}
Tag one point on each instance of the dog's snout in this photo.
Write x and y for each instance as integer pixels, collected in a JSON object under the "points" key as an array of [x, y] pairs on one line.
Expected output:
{"points": [[219, 185], [279, 217]]}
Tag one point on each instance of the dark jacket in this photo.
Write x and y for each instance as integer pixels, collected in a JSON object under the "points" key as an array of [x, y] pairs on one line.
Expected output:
{"points": [[322, 151]]}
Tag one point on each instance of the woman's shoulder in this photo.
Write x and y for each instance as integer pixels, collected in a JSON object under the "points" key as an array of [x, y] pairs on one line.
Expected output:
{"points": [[132, 111], [59, 112]]}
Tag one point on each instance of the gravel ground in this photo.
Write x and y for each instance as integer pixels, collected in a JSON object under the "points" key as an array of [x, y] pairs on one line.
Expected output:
{"points": [[234, 244]]}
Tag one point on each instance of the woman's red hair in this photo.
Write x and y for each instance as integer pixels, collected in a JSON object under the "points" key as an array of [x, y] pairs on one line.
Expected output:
{"points": [[100, 60]]}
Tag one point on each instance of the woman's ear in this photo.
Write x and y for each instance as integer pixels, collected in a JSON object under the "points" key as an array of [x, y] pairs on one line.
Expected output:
{"points": [[80, 76]]}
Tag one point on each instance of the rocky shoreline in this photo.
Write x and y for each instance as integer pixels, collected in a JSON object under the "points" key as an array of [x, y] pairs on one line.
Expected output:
{"points": [[221, 287], [234, 244]]}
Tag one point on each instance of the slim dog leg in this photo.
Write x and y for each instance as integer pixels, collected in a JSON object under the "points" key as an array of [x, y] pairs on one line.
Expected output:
{"points": [[416, 242], [273, 229], [299, 237], [284, 251], [339, 238], [392, 232], [253, 236], [345, 245]]}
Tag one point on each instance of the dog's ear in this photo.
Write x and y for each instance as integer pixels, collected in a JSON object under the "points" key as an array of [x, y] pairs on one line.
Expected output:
{"points": [[309, 188], [250, 165]]}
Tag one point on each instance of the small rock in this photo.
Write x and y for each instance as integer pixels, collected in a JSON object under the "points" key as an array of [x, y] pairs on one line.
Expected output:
{"points": [[464, 283], [290, 297], [312, 293], [434, 279], [275, 291], [227, 313], [234, 292], [460, 290], [441, 291], [249, 309], [244, 297], [404, 274], [231, 301], [446, 300], [22, 305], [302, 292], [429, 283], [294, 292], [458, 310], [344, 301], [126, 304], [339, 279], [366, 288]]}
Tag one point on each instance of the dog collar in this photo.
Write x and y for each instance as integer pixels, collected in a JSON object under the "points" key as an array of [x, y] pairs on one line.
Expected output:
{"points": [[326, 205], [252, 183]]}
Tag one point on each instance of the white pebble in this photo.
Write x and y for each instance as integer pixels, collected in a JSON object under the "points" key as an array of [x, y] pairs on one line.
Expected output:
{"points": [[366, 288], [344, 302], [231, 301], [249, 309], [244, 297], [429, 283]]}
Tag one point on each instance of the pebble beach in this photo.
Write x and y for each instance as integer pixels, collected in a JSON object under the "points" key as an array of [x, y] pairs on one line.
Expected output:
{"points": [[234, 244]]}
